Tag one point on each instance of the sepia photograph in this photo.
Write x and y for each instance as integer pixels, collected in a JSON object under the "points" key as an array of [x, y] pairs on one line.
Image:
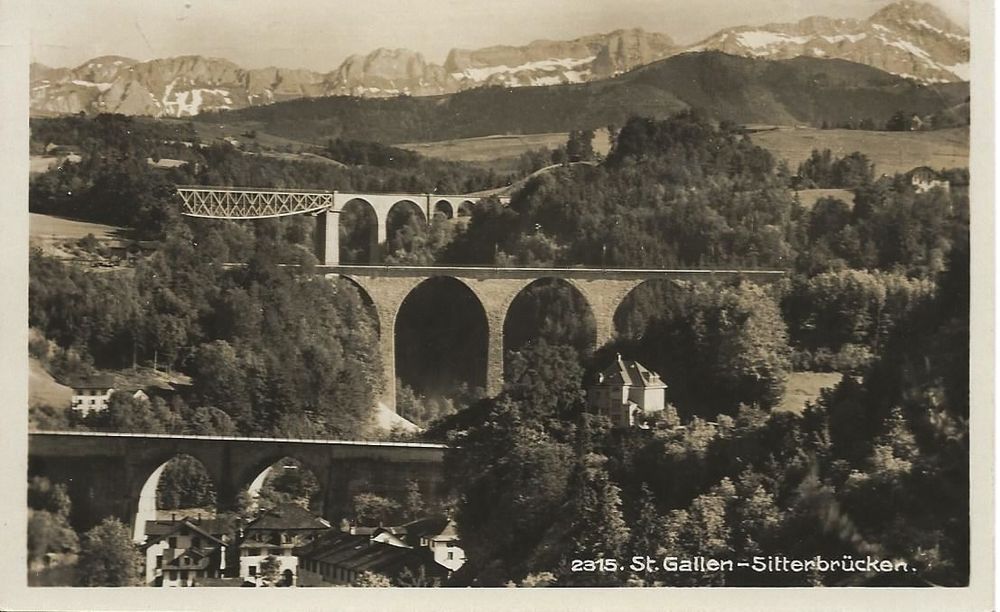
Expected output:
{"points": [[544, 305]]}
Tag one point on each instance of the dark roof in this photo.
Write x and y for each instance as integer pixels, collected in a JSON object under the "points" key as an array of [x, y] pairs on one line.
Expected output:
{"points": [[359, 553], [101, 381], [628, 372], [286, 517], [212, 527]]}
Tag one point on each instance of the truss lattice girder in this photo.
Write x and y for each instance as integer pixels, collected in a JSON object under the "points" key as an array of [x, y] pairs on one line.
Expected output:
{"points": [[251, 204]]}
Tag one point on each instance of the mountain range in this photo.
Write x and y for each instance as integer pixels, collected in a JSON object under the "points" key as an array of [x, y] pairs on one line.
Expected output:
{"points": [[747, 90], [909, 39]]}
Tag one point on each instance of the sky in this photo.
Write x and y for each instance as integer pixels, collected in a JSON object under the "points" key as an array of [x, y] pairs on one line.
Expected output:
{"points": [[320, 34]]}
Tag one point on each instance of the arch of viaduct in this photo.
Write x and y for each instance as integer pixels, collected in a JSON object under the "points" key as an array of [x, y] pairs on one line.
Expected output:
{"points": [[260, 203], [604, 290], [115, 474]]}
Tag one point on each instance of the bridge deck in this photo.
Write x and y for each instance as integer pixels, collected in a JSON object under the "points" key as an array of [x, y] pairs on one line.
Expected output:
{"points": [[114, 435], [534, 273]]}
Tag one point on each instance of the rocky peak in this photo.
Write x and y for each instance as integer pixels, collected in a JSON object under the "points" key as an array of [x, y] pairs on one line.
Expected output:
{"points": [[908, 15]]}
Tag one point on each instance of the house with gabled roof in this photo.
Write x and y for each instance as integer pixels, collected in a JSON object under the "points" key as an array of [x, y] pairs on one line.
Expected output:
{"points": [[625, 392], [277, 532], [439, 534], [185, 552], [92, 393]]}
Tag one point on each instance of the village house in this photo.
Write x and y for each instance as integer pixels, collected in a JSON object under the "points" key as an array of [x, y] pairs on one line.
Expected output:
{"points": [[923, 179], [92, 393], [186, 552], [625, 392], [277, 532], [439, 534]]}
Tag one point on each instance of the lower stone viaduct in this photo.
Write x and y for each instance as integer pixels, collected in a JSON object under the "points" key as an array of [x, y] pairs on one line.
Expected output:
{"points": [[116, 474], [604, 290]]}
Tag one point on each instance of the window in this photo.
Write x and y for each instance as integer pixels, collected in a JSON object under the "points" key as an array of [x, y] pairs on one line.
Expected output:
{"points": [[184, 575], [253, 570], [173, 574], [159, 561], [253, 552], [451, 555]]}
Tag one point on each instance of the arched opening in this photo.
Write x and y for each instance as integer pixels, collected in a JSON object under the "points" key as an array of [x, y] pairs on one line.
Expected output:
{"points": [[650, 300], [178, 488], [406, 231], [465, 209], [445, 209], [284, 481], [553, 310], [442, 338], [287, 578], [358, 227]]}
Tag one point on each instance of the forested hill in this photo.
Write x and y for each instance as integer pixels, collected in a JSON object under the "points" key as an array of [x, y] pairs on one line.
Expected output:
{"points": [[803, 90]]}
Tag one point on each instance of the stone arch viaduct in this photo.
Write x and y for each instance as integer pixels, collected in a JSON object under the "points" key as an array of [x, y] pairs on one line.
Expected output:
{"points": [[387, 287], [115, 474], [604, 290]]}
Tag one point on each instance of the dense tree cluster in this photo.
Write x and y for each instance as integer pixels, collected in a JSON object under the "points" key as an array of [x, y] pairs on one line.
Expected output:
{"points": [[108, 557], [113, 183], [49, 531], [877, 467], [269, 351], [821, 170], [717, 347]]}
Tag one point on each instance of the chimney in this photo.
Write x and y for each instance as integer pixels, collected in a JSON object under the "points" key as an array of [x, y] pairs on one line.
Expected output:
{"points": [[619, 356]]}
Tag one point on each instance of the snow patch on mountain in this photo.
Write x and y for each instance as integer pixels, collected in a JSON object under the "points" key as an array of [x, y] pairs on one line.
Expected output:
{"points": [[572, 69]]}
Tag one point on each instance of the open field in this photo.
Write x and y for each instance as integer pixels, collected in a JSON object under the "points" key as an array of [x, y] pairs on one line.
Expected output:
{"points": [[49, 233], [490, 148], [48, 227], [892, 152], [45, 390], [804, 387]]}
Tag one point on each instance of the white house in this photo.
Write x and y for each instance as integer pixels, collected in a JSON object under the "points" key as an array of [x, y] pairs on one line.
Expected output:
{"points": [[92, 393], [625, 392], [185, 552], [438, 534], [924, 179], [277, 532]]}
